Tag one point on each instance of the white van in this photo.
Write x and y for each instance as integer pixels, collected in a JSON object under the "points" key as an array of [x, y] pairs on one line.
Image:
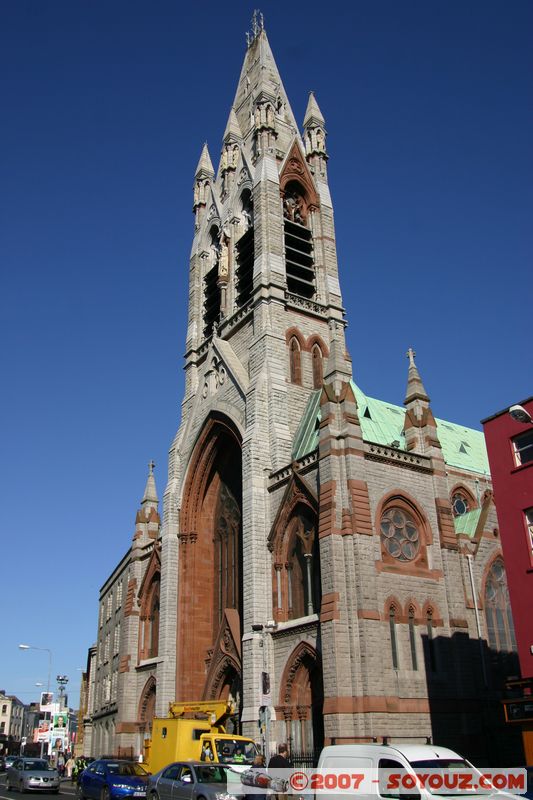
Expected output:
{"points": [[390, 771]]}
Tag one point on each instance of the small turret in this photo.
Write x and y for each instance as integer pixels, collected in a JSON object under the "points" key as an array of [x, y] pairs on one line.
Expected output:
{"points": [[150, 497], [315, 135], [420, 428], [230, 151], [203, 178], [147, 520]]}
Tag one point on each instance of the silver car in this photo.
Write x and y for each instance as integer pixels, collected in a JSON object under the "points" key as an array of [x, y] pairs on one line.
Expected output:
{"points": [[26, 774], [193, 780]]}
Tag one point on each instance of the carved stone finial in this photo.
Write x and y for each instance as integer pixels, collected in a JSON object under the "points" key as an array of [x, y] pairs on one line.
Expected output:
{"points": [[411, 356], [258, 25], [151, 466]]}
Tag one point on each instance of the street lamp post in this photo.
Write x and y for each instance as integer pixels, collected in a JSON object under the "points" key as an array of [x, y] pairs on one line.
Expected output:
{"points": [[266, 700], [46, 650]]}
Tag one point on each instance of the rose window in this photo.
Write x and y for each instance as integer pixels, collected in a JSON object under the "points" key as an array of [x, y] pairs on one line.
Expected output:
{"points": [[399, 534]]}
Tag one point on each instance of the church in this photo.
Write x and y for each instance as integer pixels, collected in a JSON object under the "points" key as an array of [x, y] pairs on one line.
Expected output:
{"points": [[329, 561]]}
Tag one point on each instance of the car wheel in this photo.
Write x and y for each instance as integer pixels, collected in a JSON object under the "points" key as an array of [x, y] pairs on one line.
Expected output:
{"points": [[79, 792], [105, 794]]}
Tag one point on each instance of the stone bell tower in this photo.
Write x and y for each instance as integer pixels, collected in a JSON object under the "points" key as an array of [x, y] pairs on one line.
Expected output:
{"points": [[265, 323]]}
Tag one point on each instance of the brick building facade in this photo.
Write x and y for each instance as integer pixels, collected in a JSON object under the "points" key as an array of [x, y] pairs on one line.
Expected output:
{"points": [[361, 535]]}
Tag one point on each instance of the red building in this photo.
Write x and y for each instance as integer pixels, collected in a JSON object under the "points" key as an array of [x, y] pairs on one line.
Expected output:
{"points": [[509, 438]]}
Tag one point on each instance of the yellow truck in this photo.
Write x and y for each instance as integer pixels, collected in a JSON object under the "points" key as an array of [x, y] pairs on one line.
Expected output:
{"points": [[196, 732]]}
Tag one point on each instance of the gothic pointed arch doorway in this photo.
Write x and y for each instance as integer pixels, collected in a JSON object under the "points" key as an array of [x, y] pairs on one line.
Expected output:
{"points": [[302, 699], [147, 705], [210, 564]]}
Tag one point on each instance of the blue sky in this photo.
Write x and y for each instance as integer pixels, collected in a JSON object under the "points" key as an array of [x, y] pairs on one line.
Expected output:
{"points": [[105, 107]]}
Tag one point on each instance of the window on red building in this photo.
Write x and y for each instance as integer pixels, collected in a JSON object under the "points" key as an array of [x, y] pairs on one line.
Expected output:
{"points": [[523, 448], [528, 513]]}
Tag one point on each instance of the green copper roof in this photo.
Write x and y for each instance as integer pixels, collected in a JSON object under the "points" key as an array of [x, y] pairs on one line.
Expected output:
{"points": [[306, 439], [467, 523], [382, 423]]}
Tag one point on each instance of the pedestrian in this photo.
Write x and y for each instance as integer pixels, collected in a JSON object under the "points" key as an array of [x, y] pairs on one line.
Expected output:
{"points": [[281, 759], [278, 768], [61, 764], [69, 766]]}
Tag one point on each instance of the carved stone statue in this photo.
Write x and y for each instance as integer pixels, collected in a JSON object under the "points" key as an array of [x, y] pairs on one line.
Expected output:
{"points": [[223, 265], [293, 208]]}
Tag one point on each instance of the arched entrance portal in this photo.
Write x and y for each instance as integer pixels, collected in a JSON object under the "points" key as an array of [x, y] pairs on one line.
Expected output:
{"points": [[302, 700], [210, 567]]}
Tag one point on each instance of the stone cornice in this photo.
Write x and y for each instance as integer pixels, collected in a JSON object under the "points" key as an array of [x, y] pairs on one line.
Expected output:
{"points": [[400, 458]]}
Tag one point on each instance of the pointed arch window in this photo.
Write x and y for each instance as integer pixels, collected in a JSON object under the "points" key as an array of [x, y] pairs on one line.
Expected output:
{"points": [[149, 622], [299, 259], [303, 566], [296, 588], [412, 637], [500, 626], [393, 637], [462, 502], [318, 366], [432, 654], [227, 528], [154, 626], [212, 294], [400, 535], [295, 359], [245, 251]]}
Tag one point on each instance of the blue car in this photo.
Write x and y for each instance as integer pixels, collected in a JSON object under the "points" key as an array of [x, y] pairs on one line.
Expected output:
{"points": [[112, 779]]}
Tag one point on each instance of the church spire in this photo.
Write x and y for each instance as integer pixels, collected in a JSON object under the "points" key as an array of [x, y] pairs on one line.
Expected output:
{"points": [[415, 387], [420, 428], [260, 83], [150, 492], [205, 166]]}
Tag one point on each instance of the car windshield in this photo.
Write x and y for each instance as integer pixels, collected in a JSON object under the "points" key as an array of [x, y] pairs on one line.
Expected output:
{"points": [[36, 766], [128, 768], [213, 774], [446, 767], [233, 751]]}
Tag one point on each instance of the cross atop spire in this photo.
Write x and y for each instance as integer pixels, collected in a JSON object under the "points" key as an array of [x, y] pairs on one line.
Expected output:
{"points": [[151, 465], [411, 356]]}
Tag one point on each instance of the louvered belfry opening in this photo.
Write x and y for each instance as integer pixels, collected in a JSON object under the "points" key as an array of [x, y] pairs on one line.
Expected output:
{"points": [[212, 294], [299, 263], [245, 253]]}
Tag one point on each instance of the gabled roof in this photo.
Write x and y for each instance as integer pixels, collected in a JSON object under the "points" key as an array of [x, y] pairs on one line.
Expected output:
{"points": [[382, 423]]}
